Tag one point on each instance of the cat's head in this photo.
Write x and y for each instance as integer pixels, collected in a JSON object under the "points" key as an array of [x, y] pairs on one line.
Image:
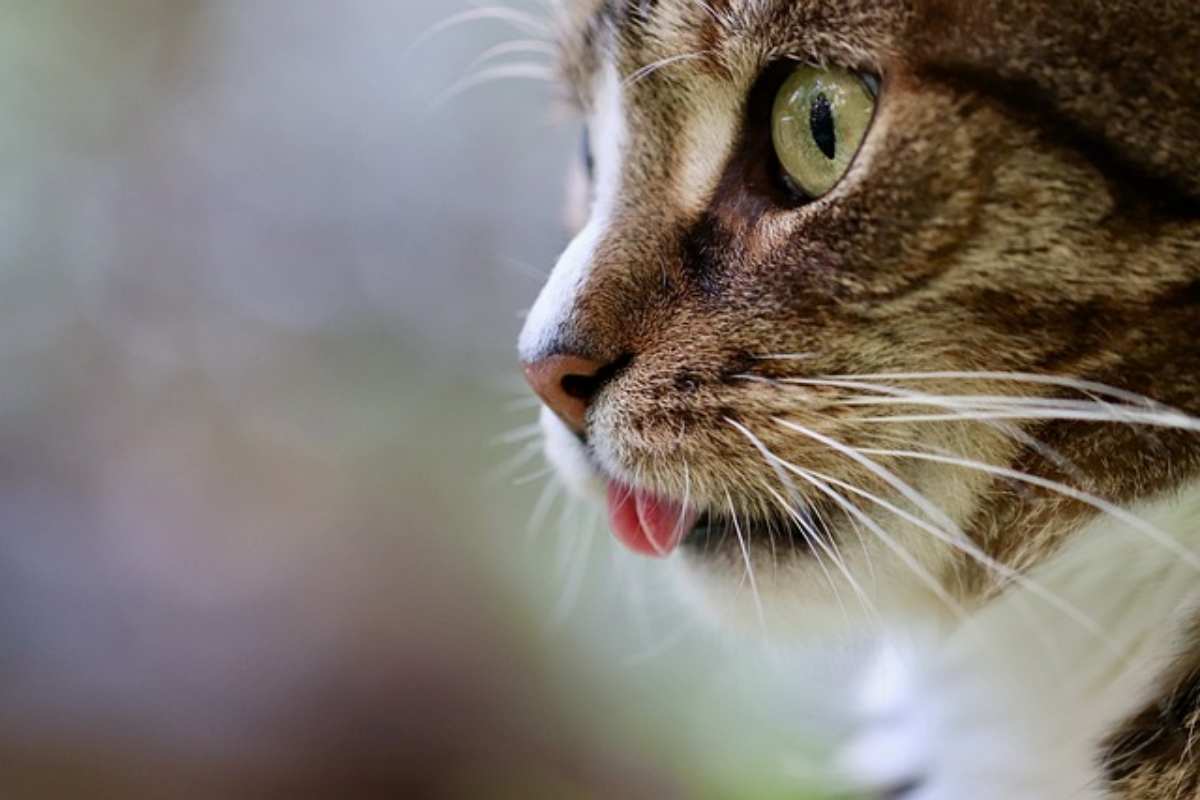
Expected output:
{"points": [[851, 270]]}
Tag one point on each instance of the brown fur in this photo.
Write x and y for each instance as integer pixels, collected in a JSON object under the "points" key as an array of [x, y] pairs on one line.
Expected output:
{"points": [[1155, 756], [1028, 200]]}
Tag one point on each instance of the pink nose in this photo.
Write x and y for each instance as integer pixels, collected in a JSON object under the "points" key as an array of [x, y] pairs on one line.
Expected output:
{"points": [[567, 385]]}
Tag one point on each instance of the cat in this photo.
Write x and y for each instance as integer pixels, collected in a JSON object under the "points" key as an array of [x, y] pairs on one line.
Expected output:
{"points": [[894, 305]]}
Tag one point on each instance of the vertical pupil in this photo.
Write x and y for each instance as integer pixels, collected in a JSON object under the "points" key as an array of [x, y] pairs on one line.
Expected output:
{"points": [[820, 119]]}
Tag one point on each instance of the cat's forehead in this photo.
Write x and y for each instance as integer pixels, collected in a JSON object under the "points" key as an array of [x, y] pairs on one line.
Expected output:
{"points": [[720, 36]]}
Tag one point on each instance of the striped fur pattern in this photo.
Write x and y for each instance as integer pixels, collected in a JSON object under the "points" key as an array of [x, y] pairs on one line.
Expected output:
{"points": [[970, 370]]}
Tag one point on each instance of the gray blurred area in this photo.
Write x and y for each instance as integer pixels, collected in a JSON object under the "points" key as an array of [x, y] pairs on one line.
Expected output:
{"points": [[262, 270]]}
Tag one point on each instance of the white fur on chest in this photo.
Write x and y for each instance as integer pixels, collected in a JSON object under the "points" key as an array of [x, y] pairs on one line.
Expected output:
{"points": [[1018, 701]]}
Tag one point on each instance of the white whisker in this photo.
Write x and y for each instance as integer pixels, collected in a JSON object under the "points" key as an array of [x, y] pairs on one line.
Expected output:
{"points": [[964, 415], [932, 511], [522, 404], [567, 541], [532, 477], [709, 10], [524, 268], [648, 70], [816, 545], [515, 47], [997, 402], [830, 549], [518, 19], [758, 606], [541, 510], [931, 582], [664, 644], [811, 537], [1080, 385], [631, 591], [786, 357], [517, 435], [510, 466], [970, 549], [569, 599], [1169, 420], [814, 537], [500, 72], [1098, 503], [687, 497]]}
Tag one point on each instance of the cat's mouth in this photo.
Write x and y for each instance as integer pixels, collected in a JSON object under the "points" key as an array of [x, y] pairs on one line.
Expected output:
{"points": [[647, 523], [657, 527]]}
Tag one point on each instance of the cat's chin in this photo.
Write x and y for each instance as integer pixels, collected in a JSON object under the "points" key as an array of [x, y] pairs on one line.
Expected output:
{"points": [[791, 602], [802, 598], [709, 569], [736, 581]]}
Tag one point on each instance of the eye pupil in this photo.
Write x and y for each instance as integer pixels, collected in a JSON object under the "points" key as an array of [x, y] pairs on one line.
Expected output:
{"points": [[820, 121]]}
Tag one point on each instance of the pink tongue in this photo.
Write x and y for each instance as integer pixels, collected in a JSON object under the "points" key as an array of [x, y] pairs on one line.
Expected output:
{"points": [[647, 524]]}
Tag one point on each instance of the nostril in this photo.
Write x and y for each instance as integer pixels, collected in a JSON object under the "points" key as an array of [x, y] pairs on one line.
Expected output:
{"points": [[568, 384], [585, 387], [581, 387]]}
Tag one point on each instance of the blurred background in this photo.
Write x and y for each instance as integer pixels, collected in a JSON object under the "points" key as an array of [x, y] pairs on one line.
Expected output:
{"points": [[274, 520]]}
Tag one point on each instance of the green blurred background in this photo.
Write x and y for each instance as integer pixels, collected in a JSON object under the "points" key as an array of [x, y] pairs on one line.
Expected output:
{"points": [[271, 518]]}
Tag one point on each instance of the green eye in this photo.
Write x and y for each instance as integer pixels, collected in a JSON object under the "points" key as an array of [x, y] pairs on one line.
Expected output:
{"points": [[820, 119]]}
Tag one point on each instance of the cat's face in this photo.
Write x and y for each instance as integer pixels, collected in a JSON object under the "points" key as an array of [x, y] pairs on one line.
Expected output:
{"points": [[796, 377]]}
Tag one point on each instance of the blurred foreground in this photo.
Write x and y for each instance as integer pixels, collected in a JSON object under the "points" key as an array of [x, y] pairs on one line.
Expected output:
{"points": [[259, 294]]}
